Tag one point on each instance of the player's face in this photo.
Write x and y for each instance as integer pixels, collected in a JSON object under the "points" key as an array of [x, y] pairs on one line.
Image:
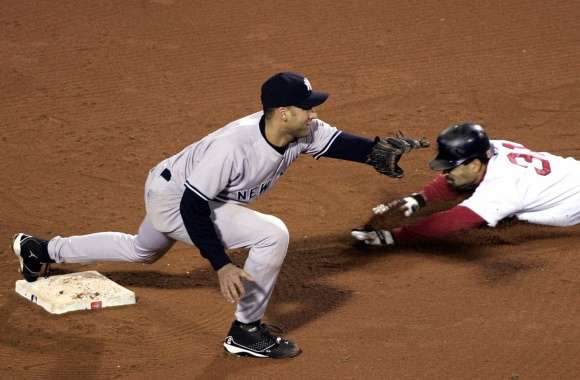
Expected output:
{"points": [[298, 121], [464, 176]]}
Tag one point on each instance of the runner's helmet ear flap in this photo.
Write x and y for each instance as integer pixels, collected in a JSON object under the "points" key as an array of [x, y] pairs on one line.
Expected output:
{"points": [[459, 144]]}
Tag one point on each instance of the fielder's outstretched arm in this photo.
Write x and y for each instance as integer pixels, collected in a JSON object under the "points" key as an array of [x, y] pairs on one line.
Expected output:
{"points": [[350, 147], [382, 154]]}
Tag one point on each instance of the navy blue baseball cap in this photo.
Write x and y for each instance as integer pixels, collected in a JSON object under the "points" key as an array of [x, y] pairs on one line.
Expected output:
{"points": [[290, 89]]}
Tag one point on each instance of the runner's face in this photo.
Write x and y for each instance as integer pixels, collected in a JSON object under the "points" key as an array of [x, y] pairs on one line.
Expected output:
{"points": [[464, 175]]}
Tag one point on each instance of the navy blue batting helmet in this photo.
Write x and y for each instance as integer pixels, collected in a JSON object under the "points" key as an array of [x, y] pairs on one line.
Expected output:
{"points": [[459, 144]]}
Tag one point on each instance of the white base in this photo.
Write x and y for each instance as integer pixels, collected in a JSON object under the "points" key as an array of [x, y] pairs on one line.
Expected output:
{"points": [[75, 291]]}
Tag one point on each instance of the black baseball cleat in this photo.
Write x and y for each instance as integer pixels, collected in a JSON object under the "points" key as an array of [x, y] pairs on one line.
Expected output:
{"points": [[256, 340], [32, 254]]}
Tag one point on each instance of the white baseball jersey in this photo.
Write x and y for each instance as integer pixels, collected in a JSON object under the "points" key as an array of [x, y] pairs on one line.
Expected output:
{"points": [[236, 163], [540, 188]]}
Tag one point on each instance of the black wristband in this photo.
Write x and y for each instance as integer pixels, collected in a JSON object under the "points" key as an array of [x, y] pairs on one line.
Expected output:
{"points": [[419, 198], [381, 236]]}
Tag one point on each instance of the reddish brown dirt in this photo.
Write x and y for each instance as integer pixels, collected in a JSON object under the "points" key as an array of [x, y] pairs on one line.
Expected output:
{"points": [[93, 93]]}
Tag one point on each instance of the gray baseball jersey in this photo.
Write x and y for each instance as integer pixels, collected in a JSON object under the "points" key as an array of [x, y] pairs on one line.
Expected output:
{"points": [[236, 164]]}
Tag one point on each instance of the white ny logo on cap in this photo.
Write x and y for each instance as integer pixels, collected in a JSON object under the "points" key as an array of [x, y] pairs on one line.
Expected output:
{"points": [[307, 84]]}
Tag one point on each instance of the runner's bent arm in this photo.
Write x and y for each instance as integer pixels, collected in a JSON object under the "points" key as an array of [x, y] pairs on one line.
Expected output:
{"points": [[439, 225]]}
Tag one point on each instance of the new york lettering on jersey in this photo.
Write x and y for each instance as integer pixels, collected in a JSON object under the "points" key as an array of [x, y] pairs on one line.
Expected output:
{"points": [[246, 195]]}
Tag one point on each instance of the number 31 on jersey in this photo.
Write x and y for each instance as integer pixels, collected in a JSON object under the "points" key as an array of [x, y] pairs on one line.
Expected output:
{"points": [[524, 157]]}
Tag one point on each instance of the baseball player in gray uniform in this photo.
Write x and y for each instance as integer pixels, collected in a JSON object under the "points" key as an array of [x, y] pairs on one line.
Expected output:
{"points": [[199, 196]]}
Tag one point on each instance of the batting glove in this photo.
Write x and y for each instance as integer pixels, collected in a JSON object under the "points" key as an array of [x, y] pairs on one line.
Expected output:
{"points": [[373, 237], [408, 205], [412, 203]]}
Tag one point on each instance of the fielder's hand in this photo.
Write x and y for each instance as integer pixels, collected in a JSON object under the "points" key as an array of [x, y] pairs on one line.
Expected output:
{"points": [[408, 205], [373, 237], [231, 282]]}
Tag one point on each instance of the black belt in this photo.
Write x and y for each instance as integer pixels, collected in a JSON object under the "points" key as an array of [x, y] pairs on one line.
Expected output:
{"points": [[166, 174]]}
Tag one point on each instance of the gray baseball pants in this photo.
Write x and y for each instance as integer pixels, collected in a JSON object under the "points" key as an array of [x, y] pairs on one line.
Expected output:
{"points": [[265, 236]]}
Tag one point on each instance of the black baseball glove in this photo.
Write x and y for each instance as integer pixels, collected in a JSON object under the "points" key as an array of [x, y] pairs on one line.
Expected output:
{"points": [[387, 152]]}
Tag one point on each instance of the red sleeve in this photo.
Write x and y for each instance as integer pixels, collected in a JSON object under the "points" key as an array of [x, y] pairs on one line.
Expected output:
{"points": [[439, 225], [439, 190]]}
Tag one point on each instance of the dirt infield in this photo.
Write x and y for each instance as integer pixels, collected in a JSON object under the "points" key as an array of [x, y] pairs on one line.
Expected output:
{"points": [[94, 93]]}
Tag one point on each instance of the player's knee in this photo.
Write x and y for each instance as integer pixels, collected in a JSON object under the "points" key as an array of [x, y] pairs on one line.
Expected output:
{"points": [[278, 234], [150, 259], [146, 256], [147, 253], [276, 242]]}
